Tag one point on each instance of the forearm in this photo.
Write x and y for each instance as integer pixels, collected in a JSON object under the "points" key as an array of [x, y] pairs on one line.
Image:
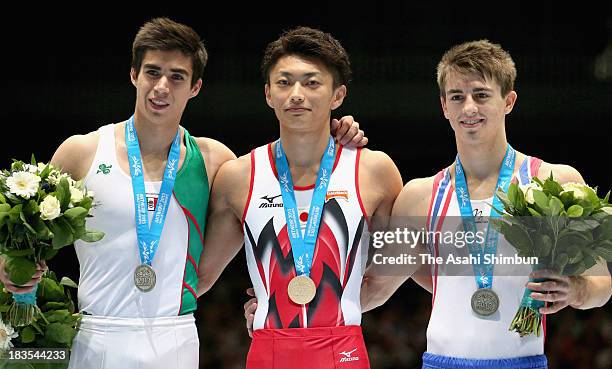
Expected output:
{"points": [[591, 291], [375, 291], [223, 241]]}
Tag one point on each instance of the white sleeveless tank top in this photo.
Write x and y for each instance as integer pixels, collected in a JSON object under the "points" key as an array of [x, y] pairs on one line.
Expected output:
{"points": [[106, 283], [454, 329], [337, 263]]}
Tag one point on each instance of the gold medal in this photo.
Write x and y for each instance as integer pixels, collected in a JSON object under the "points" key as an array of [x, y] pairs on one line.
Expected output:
{"points": [[144, 278], [301, 290]]}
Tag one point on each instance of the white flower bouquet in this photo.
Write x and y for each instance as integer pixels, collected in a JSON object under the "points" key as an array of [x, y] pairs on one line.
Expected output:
{"points": [[41, 211], [566, 226]]}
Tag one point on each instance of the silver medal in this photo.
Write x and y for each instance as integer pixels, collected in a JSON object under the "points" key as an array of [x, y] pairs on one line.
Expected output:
{"points": [[485, 302], [144, 278]]}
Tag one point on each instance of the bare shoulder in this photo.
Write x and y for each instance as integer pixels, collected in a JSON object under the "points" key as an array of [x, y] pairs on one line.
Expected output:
{"points": [[215, 154], [378, 164], [414, 198], [561, 172], [76, 154], [233, 181]]}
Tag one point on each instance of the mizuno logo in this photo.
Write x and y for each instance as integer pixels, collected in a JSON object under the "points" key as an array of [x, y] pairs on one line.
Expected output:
{"points": [[269, 199], [270, 202], [347, 356]]}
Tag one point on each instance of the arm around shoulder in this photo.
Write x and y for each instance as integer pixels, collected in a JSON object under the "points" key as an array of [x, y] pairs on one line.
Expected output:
{"points": [[224, 235]]}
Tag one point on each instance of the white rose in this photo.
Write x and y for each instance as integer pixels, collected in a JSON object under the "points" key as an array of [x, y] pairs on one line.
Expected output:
{"points": [[6, 334], [528, 191], [50, 208], [76, 195], [23, 184], [91, 194], [576, 188], [30, 168]]}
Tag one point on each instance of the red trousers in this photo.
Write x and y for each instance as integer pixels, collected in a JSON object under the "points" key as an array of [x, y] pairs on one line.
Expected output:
{"points": [[308, 348]]}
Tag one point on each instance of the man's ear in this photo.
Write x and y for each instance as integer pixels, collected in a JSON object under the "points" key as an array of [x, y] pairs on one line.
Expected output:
{"points": [[510, 101], [133, 76], [268, 96], [443, 104], [339, 95], [195, 90]]}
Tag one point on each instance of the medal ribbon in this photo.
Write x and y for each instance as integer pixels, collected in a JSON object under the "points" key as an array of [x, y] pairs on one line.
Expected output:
{"points": [[149, 235], [303, 247], [483, 272]]}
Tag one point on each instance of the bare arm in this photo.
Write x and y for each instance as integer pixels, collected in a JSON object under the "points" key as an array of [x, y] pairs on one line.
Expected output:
{"points": [[410, 206], [224, 235], [378, 282], [75, 154]]}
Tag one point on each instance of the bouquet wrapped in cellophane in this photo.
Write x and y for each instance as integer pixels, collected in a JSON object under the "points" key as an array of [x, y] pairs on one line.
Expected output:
{"points": [[566, 226], [41, 211]]}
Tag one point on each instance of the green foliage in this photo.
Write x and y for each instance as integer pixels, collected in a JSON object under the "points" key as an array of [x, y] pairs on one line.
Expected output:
{"points": [[568, 227]]}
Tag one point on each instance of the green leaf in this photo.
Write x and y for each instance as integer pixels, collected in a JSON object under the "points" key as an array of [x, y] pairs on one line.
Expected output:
{"points": [[86, 203], [574, 269], [33, 160], [20, 269], [92, 236], [541, 201], [48, 253], [62, 233], [20, 253], [2, 199], [533, 212], [57, 316], [76, 212], [560, 263], [25, 223], [31, 208], [61, 333], [574, 211], [513, 189], [555, 206], [604, 232], [552, 187], [53, 305], [583, 225], [68, 282], [62, 192], [543, 245], [51, 290], [591, 196], [28, 335], [604, 252], [519, 239], [574, 254], [538, 181]]}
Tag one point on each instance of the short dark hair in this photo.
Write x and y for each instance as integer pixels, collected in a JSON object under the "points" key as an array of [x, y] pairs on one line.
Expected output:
{"points": [[167, 35], [309, 43], [483, 58]]}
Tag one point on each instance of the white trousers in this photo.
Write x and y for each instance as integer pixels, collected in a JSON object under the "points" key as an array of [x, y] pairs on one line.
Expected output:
{"points": [[136, 343]]}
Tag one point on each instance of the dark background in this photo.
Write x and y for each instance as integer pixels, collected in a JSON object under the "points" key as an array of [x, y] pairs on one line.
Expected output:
{"points": [[66, 72]]}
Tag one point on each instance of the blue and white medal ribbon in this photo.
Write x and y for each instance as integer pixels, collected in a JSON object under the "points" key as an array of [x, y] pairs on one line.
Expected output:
{"points": [[149, 236], [484, 300], [302, 289]]}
